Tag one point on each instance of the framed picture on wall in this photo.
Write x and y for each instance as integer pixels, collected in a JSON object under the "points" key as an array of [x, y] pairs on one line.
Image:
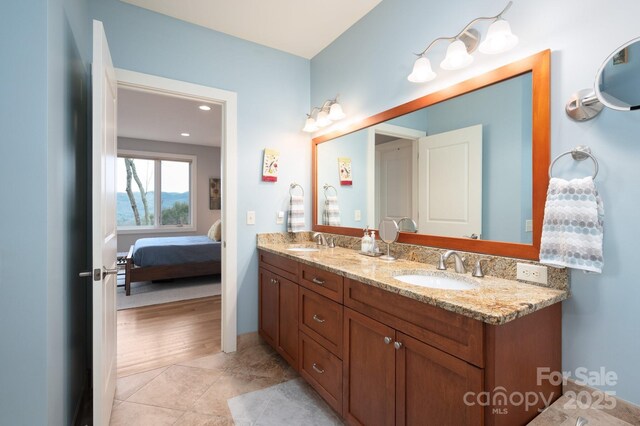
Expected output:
{"points": [[215, 199], [622, 57]]}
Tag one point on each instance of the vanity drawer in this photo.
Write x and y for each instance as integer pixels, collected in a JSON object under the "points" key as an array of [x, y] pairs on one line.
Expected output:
{"points": [[279, 265], [453, 333], [321, 318], [325, 283], [322, 370]]}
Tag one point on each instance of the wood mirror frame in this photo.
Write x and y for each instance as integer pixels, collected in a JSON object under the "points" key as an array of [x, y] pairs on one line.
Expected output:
{"points": [[539, 66]]}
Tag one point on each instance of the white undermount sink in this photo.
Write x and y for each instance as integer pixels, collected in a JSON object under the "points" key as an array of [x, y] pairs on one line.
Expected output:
{"points": [[434, 281], [303, 249]]}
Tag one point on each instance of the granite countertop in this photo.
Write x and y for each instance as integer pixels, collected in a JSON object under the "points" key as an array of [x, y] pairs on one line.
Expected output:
{"points": [[494, 301]]}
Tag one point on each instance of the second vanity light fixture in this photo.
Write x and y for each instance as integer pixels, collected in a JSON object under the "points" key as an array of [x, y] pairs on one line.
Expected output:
{"points": [[499, 39], [329, 112]]}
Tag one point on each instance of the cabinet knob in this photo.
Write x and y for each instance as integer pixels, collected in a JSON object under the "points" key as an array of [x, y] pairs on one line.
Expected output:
{"points": [[397, 345], [316, 318], [387, 340], [318, 281], [318, 370]]}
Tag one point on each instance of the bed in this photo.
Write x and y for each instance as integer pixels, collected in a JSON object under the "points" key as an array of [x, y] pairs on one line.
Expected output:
{"points": [[171, 257]]}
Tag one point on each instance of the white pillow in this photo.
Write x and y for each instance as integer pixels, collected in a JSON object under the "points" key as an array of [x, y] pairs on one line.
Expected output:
{"points": [[215, 232]]}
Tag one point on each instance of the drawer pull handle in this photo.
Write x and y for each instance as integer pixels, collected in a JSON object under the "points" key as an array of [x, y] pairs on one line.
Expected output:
{"points": [[318, 281], [317, 369], [316, 318], [397, 345], [387, 340]]}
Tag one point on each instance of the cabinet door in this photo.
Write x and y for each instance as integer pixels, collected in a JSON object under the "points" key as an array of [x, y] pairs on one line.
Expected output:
{"points": [[369, 371], [431, 386], [288, 320], [268, 307]]}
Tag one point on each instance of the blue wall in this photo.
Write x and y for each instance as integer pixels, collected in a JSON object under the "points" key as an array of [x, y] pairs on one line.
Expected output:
{"points": [[368, 66], [273, 96], [43, 117]]}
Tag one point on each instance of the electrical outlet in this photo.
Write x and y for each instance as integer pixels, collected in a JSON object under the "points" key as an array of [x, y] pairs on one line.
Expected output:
{"points": [[528, 225], [251, 217], [357, 215], [533, 273]]}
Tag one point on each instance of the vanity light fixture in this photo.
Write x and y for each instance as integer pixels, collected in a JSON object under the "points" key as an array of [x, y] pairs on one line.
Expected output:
{"points": [[330, 111], [499, 39], [185, 134]]}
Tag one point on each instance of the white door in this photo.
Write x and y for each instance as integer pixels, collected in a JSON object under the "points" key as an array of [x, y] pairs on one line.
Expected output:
{"points": [[450, 176], [394, 180], [104, 147]]}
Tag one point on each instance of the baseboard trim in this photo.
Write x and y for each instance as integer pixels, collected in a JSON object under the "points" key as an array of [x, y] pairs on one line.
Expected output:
{"points": [[622, 409]]}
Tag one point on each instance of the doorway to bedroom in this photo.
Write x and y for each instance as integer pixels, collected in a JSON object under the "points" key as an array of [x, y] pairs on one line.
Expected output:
{"points": [[169, 212]]}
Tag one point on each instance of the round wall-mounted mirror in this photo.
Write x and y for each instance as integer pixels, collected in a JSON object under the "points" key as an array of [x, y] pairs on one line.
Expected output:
{"points": [[617, 83]]}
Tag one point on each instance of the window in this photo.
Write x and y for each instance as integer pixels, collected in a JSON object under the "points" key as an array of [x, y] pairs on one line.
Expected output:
{"points": [[151, 183]]}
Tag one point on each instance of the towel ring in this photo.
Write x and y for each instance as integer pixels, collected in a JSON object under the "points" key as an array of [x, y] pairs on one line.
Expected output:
{"points": [[292, 186], [579, 153], [328, 187]]}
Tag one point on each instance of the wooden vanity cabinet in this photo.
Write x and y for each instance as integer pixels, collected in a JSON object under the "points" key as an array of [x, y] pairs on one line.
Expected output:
{"points": [[379, 358], [391, 378], [278, 305]]}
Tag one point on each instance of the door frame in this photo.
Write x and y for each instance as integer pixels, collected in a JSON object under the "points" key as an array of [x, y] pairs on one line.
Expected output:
{"points": [[401, 133], [229, 157]]}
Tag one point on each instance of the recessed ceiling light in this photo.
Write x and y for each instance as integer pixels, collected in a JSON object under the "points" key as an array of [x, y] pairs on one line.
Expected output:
{"points": [[185, 134], [205, 107]]}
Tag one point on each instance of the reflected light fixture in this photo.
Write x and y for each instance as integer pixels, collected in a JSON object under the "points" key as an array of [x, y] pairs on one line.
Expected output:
{"points": [[185, 134], [205, 107], [499, 39], [320, 117]]}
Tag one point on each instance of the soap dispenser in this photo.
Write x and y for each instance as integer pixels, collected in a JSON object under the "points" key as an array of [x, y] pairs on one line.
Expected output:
{"points": [[365, 244], [373, 248]]}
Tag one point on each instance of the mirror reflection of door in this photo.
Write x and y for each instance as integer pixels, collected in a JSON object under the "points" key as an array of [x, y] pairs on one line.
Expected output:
{"points": [[450, 176], [394, 188]]}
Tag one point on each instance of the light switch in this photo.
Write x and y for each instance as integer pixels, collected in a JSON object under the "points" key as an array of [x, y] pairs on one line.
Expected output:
{"points": [[251, 217], [280, 218], [357, 215]]}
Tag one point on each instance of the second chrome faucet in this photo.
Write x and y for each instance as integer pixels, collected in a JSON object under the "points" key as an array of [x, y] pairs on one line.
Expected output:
{"points": [[442, 264], [459, 265]]}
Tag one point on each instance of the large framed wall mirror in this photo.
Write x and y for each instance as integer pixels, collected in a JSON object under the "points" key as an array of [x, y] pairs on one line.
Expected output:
{"points": [[468, 164]]}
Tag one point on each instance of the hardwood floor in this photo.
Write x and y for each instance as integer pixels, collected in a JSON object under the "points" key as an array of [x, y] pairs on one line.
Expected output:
{"points": [[161, 335]]}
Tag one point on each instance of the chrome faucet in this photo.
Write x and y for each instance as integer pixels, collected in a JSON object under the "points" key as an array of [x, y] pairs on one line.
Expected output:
{"points": [[320, 239], [442, 264]]}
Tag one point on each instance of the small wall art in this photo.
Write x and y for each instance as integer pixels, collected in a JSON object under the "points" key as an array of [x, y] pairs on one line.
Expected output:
{"points": [[344, 169], [215, 195], [270, 165]]}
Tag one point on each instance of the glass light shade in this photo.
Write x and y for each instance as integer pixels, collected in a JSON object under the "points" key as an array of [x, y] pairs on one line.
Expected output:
{"points": [[422, 71], [336, 113], [499, 38], [310, 125], [322, 119], [457, 57]]}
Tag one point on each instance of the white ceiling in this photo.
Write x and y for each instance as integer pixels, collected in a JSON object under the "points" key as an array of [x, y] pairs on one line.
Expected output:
{"points": [[300, 27], [158, 117]]}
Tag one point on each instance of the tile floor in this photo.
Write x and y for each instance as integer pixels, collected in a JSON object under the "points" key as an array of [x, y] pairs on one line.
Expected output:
{"points": [[196, 392], [289, 403]]}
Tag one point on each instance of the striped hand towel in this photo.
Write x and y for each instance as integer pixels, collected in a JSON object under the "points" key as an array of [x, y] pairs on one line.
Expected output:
{"points": [[331, 214], [296, 214], [572, 231]]}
